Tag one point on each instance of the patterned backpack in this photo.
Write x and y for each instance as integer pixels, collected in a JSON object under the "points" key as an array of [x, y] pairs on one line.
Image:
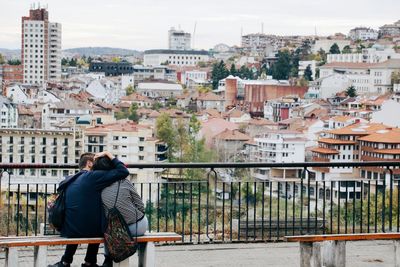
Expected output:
{"points": [[117, 237]]}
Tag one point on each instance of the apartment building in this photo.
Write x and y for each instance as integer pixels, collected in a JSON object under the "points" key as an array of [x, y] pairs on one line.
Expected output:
{"points": [[365, 77], [12, 73], [283, 146], [375, 54], [390, 30], [363, 34], [39, 146], [175, 57], [41, 48], [343, 145], [179, 40], [8, 113], [54, 114]]}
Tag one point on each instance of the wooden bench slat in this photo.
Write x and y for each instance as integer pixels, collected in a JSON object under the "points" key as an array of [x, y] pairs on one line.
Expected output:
{"points": [[57, 240], [343, 237]]}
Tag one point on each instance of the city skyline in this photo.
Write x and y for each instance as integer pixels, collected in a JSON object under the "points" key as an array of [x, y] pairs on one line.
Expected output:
{"points": [[144, 26]]}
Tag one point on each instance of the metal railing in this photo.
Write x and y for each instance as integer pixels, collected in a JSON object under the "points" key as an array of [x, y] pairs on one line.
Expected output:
{"points": [[225, 204]]}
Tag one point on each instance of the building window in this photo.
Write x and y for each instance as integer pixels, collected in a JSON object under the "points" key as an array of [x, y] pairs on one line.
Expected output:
{"points": [[141, 157], [141, 148]]}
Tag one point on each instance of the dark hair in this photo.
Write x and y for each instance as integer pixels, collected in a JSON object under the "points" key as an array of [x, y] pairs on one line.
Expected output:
{"points": [[102, 164], [83, 160]]}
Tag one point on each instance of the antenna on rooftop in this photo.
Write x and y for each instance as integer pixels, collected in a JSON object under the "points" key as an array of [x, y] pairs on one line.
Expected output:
{"points": [[194, 33]]}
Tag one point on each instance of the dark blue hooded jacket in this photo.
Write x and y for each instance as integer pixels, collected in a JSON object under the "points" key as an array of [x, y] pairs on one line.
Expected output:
{"points": [[84, 214]]}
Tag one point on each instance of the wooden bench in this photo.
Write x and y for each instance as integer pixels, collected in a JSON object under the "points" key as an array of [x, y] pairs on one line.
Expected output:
{"points": [[146, 249], [330, 250]]}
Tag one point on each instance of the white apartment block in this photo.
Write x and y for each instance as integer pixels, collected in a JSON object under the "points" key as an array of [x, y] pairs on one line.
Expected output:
{"points": [[41, 147], [41, 48], [256, 41], [8, 113], [363, 33], [375, 54], [365, 77], [326, 44], [55, 114], [193, 77], [303, 66], [279, 147], [175, 57], [179, 40]]}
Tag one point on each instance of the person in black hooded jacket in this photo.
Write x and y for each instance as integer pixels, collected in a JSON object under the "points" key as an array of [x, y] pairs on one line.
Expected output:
{"points": [[84, 214]]}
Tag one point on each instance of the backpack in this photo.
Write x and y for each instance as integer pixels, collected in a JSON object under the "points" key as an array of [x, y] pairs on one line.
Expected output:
{"points": [[117, 236], [56, 204]]}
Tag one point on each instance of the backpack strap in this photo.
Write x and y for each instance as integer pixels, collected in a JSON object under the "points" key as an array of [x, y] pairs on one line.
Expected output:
{"points": [[116, 198]]}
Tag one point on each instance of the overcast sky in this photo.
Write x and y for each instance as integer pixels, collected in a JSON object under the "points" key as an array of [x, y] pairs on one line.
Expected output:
{"points": [[144, 24]]}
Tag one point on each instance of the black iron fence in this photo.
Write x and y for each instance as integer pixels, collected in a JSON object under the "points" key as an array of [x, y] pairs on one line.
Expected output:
{"points": [[229, 202]]}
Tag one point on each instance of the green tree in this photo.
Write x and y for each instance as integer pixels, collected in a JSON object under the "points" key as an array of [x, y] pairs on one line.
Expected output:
{"points": [[2, 59], [282, 68], [347, 50], [322, 55], [156, 106], [233, 70], [72, 62], [165, 131], [218, 73], [182, 138], [14, 62], [64, 62], [245, 73], [133, 112], [334, 49], [308, 73], [351, 91], [129, 89]]}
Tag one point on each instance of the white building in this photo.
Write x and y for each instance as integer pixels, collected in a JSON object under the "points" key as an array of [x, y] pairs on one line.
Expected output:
{"points": [[390, 30], [179, 40], [375, 54], [191, 77], [363, 33], [257, 41], [41, 48], [279, 147], [330, 85], [9, 113], [54, 114], [156, 90], [175, 57], [387, 115]]}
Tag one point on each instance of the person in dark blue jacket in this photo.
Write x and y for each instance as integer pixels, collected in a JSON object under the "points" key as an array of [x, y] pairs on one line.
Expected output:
{"points": [[84, 214]]}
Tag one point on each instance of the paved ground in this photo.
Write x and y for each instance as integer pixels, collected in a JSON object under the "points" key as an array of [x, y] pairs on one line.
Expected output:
{"points": [[359, 254]]}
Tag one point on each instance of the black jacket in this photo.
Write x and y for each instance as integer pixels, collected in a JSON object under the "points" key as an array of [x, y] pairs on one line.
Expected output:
{"points": [[84, 215]]}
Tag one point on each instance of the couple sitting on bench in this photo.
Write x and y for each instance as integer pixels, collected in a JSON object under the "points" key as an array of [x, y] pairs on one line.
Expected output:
{"points": [[88, 198]]}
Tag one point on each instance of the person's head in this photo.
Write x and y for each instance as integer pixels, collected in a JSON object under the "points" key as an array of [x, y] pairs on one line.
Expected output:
{"points": [[86, 161], [102, 164]]}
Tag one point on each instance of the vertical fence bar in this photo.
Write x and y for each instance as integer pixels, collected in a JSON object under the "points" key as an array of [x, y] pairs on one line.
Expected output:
{"points": [[207, 201], [18, 202], [398, 205], [384, 204], [354, 207], [277, 212], [175, 207], [301, 201], [338, 218], [223, 211], [270, 210], [369, 206], [36, 209], [345, 206], [286, 207], [166, 207], [262, 210], [308, 202], [191, 212], [183, 212], [151, 208], [361, 206], [294, 208], [9, 203], [390, 200], [247, 211], [27, 211], [331, 209], [45, 208], [255, 209], [158, 207], [231, 213], [239, 208], [323, 208], [376, 205], [199, 214], [316, 207]]}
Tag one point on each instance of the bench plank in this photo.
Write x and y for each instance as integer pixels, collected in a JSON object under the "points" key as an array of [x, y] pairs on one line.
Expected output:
{"points": [[343, 237], [57, 240]]}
